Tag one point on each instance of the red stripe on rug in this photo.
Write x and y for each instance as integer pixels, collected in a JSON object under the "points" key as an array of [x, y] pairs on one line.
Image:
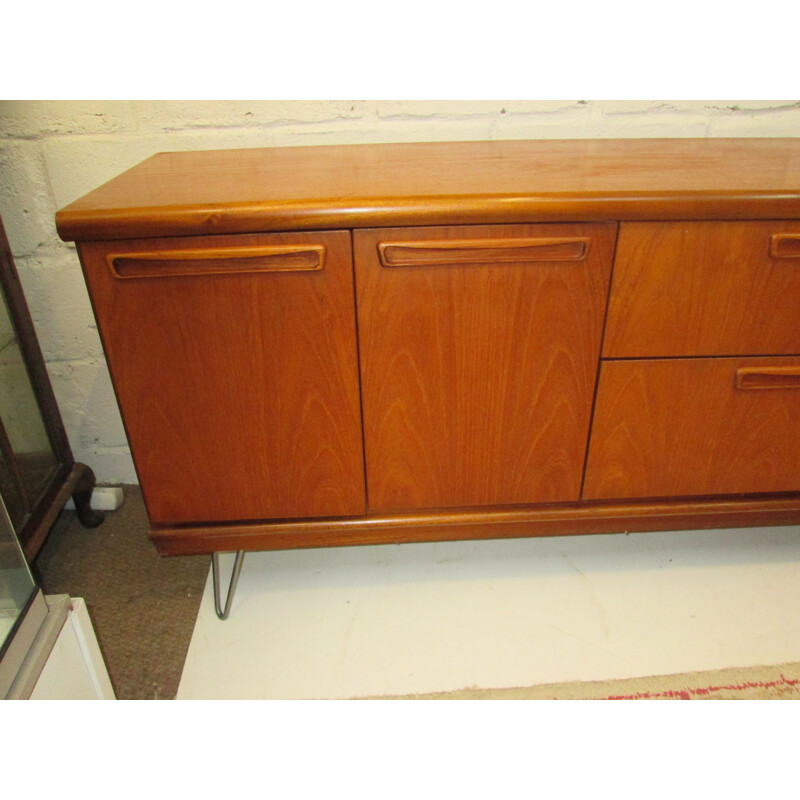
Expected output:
{"points": [[686, 694]]}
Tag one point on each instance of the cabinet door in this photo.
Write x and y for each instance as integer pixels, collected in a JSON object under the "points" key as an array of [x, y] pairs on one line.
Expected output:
{"points": [[479, 348], [234, 362], [695, 426]]}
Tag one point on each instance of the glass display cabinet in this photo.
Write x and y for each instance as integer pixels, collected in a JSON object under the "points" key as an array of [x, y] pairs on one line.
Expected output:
{"points": [[38, 473], [48, 648], [23, 609]]}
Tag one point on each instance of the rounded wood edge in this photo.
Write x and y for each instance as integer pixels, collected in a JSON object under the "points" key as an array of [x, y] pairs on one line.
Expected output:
{"points": [[590, 518], [82, 225]]}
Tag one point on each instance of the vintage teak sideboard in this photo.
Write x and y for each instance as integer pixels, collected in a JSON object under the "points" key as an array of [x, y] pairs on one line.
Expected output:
{"points": [[341, 345]]}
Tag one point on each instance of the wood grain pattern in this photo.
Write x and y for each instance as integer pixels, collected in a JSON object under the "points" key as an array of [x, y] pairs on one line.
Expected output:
{"points": [[344, 186], [679, 427], [236, 362], [239, 391], [702, 289], [486, 523], [477, 380]]}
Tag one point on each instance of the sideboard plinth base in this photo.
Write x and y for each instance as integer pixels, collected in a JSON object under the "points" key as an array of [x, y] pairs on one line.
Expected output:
{"points": [[504, 523]]}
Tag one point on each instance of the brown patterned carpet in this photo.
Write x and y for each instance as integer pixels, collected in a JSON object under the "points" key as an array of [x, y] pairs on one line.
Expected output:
{"points": [[143, 606]]}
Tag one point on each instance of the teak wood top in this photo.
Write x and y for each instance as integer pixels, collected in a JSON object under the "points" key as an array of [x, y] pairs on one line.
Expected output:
{"points": [[352, 186]]}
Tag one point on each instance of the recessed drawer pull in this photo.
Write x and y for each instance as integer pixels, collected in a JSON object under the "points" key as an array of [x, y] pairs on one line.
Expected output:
{"points": [[482, 251], [217, 261], [785, 245], [768, 378]]}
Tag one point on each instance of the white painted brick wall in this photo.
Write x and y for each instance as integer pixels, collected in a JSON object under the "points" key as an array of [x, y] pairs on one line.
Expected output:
{"points": [[52, 152]]}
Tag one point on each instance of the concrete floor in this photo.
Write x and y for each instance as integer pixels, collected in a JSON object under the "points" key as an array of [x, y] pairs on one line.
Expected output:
{"points": [[362, 621]]}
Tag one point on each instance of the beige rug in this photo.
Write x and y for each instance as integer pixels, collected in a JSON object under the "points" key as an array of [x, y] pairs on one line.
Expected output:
{"points": [[780, 682]]}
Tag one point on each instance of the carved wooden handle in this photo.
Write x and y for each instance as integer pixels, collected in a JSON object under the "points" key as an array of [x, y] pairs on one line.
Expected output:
{"points": [[217, 261], [482, 251], [768, 378], [785, 245]]}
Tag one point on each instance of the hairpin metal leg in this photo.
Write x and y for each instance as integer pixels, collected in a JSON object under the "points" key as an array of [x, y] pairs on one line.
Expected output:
{"points": [[222, 613]]}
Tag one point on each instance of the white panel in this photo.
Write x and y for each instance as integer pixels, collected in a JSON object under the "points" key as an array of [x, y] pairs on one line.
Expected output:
{"points": [[75, 669], [436, 617]]}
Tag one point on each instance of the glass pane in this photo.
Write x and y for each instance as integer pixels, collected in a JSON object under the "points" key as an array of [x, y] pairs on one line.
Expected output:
{"points": [[16, 582], [27, 461], [11, 489]]}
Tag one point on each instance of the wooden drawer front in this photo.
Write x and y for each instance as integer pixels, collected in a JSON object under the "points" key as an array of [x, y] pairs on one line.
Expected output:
{"points": [[234, 362], [680, 427], [704, 289], [479, 349]]}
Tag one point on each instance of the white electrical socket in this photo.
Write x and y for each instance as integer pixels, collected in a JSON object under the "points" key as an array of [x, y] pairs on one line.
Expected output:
{"points": [[104, 498]]}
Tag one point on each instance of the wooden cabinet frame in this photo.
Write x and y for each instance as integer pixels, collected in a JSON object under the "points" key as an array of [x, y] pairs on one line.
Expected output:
{"points": [[692, 279]]}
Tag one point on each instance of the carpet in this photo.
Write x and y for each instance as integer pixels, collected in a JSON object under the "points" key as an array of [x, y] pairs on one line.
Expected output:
{"points": [[143, 606]]}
